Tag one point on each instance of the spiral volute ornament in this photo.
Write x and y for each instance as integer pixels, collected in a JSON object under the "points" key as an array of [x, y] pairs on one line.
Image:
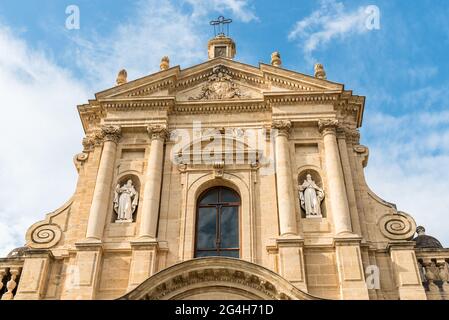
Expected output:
{"points": [[399, 226], [45, 236]]}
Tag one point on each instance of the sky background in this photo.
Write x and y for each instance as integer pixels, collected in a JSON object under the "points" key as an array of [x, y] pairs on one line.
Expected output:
{"points": [[46, 70]]}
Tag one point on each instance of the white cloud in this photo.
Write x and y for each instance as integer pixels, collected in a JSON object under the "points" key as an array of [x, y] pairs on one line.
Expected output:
{"points": [[41, 128], [240, 9], [408, 165], [139, 44], [41, 132], [330, 21]]}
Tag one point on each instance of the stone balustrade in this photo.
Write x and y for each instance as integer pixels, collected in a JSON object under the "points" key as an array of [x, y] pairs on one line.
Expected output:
{"points": [[10, 270], [434, 270]]}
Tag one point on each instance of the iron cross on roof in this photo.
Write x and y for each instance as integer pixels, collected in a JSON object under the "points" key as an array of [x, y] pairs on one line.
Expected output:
{"points": [[220, 24]]}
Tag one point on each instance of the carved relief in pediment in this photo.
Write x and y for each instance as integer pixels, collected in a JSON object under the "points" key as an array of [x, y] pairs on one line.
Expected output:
{"points": [[219, 86]]}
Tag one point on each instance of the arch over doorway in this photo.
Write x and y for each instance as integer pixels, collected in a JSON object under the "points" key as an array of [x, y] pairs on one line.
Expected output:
{"points": [[216, 278]]}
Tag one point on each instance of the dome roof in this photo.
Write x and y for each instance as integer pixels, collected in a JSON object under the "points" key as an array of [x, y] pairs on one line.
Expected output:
{"points": [[17, 252], [425, 241]]}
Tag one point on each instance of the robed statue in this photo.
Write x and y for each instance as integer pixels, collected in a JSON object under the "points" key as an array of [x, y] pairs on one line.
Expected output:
{"points": [[125, 201], [310, 196]]}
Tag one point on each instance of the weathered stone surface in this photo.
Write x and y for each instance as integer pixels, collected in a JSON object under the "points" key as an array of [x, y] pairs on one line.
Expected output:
{"points": [[260, 131]]}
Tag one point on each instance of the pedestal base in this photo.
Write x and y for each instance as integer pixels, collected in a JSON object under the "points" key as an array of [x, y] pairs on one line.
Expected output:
{"points": [[291, 260]]}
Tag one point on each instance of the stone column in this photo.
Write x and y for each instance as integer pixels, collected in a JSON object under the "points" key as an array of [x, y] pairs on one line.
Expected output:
{"points": [[342, 134], [102, 191], [336, 183], [153, 182], [284, 188]]}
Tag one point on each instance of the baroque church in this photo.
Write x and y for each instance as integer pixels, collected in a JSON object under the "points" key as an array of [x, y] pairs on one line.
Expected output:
{"points": [[225, 181]]}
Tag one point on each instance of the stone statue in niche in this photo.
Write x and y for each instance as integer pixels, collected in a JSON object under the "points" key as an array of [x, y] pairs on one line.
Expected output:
{"points": [[126, 199], [311, 196]]}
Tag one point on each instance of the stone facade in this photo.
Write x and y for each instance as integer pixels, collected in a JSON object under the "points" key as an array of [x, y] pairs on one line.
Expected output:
{"points": [[275, 127]]}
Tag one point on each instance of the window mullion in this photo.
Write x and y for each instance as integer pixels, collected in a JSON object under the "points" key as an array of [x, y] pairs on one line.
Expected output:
{"points": [[218, 231]]}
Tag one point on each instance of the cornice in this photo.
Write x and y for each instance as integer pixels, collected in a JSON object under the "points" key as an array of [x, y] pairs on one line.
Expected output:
{"points": [[276, 98], [219, 106], [138, 103]]}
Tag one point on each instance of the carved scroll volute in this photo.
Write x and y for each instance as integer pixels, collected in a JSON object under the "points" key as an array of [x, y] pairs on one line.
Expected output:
{"points": [[47, 234], [399, 226]]}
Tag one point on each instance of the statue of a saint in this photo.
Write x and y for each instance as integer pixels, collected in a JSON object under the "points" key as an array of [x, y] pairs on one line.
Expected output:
{"points": [[311, 196], [125, 201]]}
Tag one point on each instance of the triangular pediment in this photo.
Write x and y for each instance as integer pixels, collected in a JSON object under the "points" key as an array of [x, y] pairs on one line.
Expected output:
{"points": [[220, 79]]}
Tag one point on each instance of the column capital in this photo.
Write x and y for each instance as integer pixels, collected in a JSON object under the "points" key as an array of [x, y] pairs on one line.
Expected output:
{"points": [[111, 133], [157, 132], [92, 140], [283, 127], [353, 136], [328, 126]]}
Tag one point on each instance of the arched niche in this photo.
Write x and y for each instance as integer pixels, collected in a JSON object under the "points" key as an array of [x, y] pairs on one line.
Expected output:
{"points": [[317, 177], [121, 180]]}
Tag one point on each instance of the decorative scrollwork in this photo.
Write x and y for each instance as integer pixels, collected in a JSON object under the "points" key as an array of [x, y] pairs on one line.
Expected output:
{"points": [[45, 236], [399, 226], [220, 86], [283, 127]]}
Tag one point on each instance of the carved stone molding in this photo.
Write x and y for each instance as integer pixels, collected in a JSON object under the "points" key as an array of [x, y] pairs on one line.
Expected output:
{"points": [[46, 236], [219, 169], [364, 154], [158, 132], [92, 140], [328, 126], [214, 273], [353, 136], [79, 159], [282, 126], [111, 133], [220, 86], [399, 226]]}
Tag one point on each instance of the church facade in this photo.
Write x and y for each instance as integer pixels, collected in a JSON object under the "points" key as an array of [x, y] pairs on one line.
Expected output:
{"points": [[225, 181]]}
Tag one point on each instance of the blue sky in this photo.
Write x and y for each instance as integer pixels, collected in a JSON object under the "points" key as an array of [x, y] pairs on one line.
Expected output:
{"points": [[46, 70]]}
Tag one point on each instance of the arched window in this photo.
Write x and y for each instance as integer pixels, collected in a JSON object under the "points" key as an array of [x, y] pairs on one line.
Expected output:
{"points": [[217, 223]]}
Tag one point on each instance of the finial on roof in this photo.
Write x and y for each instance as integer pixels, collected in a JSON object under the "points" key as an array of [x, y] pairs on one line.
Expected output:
{"points": [[319, 71], [165, 63], [276, 59], [122, 77]]}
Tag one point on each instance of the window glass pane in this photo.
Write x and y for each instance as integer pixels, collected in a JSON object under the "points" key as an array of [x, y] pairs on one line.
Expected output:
{"points": [[207, 222], [229, 228], [232, 254], [211, 253], [228, 196], [210, 197]]}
